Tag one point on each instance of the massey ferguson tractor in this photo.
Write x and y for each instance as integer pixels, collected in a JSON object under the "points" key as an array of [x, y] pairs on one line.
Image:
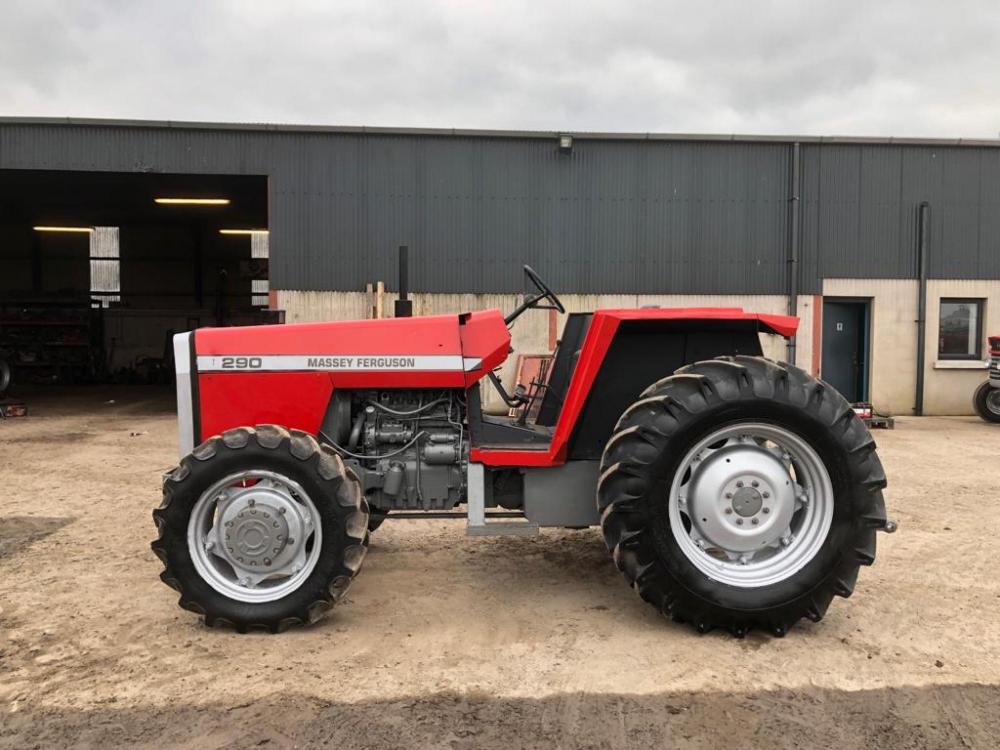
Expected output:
{"points": [[732, 491], [987, 398]]}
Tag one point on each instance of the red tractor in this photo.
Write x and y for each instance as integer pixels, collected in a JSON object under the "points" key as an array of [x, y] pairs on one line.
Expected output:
{"points": [[987, 398], [732, 491]]}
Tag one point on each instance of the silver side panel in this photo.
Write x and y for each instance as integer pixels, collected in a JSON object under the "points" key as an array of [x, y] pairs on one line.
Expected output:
{"points": [[562, 495], [185, 406]]}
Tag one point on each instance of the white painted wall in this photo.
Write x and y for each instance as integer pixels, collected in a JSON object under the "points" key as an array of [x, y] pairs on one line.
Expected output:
{"points": [[893, 338], [893, 332], [947, 390]]}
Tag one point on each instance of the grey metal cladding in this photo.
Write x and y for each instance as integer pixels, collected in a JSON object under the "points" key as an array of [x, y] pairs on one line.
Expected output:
{"points": [[860, 206], [620, 214]]}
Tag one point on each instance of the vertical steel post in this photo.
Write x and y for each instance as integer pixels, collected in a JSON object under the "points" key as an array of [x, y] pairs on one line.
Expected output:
{"points": [[923, 218], [403, 307], [793, 246]]}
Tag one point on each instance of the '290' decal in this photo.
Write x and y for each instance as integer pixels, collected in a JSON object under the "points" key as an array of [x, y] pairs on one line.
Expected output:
{"points": [[241, 363]]}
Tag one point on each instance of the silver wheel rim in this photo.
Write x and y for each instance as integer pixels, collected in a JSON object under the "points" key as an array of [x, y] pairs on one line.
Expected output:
{"points": [[993, 401], [751, 504], [254, 536]]}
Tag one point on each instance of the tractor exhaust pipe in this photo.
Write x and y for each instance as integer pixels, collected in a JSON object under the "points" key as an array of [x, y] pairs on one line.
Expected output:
{"points": [[404, 307]]}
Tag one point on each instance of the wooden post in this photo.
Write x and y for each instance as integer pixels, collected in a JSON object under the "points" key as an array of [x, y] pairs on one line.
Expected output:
{"points": [[379, 300]]}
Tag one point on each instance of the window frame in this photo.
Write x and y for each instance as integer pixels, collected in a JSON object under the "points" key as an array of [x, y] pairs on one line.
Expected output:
{"points": [[980, 305]]}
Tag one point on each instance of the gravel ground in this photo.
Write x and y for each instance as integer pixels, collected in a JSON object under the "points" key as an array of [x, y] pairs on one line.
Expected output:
{"points": [[450, 642]]}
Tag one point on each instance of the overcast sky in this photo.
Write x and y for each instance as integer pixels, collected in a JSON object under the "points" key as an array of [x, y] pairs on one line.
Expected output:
{"points": [[891, 67]]}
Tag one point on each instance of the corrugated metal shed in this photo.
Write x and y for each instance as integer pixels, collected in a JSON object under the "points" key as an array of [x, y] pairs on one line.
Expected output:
{"points": [[628, 213]]}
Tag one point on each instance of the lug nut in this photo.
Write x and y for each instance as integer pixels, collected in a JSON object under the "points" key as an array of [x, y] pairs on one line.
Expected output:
{"points": [[739, 521], [755, 483], [766, 510], [291, 541], [281, 511], [755, 521], [728, 511], [766, 495], [739, 484], [251, 502], [729, 496]]}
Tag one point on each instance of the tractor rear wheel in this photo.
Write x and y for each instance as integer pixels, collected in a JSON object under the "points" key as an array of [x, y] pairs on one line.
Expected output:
{"points": [[261, 528], [987, 402], [741, 493]]}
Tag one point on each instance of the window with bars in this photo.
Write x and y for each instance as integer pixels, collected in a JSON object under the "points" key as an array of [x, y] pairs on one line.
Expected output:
{"points": [[259, 248], [105, 265], [961, 329]]}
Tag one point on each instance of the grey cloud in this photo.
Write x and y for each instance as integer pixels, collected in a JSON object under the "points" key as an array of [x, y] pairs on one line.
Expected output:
{"points": [[887, 68]]}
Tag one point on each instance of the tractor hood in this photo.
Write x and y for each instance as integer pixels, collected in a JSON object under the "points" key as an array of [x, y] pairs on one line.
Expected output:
{"points": [[286, 374], [425, 352]]}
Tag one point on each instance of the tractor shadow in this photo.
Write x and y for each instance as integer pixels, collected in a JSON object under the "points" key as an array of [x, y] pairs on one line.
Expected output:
{"points": [[17, 533], [573, 566]]}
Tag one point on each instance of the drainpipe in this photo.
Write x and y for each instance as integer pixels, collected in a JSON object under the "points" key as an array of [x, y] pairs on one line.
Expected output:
{"points": [[793, 249], [922, 222]]}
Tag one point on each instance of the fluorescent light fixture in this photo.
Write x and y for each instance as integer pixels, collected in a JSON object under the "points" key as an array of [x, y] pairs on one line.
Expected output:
{"points": [[84, 230], [192, 201], [566, 143], [243, 231]]}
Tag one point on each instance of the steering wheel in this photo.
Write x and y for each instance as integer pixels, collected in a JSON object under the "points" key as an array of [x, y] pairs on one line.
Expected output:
{"points": [[544, 289]]}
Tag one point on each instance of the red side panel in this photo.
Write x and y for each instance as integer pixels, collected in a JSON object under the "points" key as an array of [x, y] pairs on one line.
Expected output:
{"points": [[485, 338], [297, 400], [595, 347]]}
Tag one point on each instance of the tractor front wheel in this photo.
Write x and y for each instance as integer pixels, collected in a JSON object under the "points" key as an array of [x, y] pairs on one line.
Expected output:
{"points": [[987, 402], [741, 493], [261, 528]]}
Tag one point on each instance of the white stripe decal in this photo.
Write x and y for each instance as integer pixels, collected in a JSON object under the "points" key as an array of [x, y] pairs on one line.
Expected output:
{"points": [[185, 407], [336, 363]]}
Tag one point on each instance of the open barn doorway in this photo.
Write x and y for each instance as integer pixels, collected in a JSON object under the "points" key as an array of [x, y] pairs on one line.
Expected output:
{"points": [[99, 269]]}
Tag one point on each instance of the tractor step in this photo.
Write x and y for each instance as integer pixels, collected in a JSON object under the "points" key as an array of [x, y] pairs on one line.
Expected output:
{"points": [[502, 528], [476, 504]]}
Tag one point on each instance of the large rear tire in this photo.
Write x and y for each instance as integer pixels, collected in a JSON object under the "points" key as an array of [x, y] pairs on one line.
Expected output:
{"points": [[261, 528], [741, 493], [987, 402]]}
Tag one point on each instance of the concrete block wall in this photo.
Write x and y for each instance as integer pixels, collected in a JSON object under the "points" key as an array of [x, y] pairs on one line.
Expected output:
{"points": [[531, 333]]}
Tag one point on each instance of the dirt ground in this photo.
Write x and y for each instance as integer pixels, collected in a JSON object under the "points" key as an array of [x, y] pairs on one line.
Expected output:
{"points": [[453, 642]]}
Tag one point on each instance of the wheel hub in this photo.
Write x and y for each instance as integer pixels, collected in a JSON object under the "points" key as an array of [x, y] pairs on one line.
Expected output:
{"points": [[741, 498], [261, 529], [993, 400], [747, 502]]}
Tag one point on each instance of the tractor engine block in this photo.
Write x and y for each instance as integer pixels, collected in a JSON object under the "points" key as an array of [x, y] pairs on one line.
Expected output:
{"points": [[408, 448]]}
